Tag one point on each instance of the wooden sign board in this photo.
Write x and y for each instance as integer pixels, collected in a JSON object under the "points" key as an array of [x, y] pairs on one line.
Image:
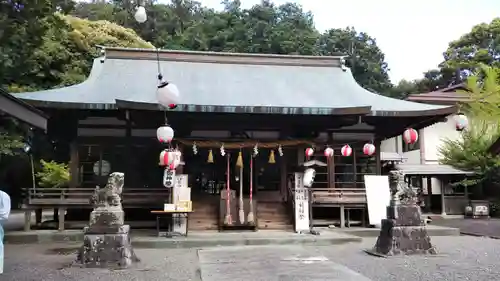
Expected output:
{"points": [[378, 197], [301, 201]]}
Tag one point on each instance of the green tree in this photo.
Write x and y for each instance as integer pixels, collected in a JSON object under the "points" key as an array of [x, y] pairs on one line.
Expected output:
{"points": [[471, 151], [67, 49], [367, 61], [263, 28], [53, 174]]}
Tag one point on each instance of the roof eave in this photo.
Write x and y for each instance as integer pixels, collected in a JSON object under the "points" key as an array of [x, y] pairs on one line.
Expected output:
{"points": [[364, 110], [22, 110]]}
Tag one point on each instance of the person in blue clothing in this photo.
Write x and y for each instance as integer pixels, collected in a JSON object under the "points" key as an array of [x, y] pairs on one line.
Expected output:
{"points": [[4, 215]]}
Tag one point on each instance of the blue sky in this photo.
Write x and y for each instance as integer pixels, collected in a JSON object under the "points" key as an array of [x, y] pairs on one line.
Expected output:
{"points": [[412, 34]]}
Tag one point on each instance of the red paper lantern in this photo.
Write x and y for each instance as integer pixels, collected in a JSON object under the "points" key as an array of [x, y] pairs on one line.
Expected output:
{"points": [[461, 122], [346, 150], [328, 152], [410, 136], [165, 134], [309, 152], [369, 149]]}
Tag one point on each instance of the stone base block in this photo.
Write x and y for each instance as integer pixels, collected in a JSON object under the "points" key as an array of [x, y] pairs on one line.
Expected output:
{"points": [[107, 250], [107, 216], [405, 215], [403, 240]]}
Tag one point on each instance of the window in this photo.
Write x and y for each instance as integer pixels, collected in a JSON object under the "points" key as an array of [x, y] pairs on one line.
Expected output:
{"points": [[410, 147]]}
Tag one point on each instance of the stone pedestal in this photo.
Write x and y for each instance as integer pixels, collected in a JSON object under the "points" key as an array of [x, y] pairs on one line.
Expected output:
{"points": [[106, 241], [107, 247], [403, 233]]}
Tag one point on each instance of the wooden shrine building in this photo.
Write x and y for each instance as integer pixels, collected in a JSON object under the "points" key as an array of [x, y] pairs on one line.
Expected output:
{"points": [[281, 104]]}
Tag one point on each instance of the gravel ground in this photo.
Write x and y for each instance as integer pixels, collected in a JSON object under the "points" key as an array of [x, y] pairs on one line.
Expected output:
{"points": [[461, 258], [47, 262]]}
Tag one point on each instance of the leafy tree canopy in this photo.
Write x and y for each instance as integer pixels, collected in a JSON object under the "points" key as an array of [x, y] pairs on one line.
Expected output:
{"points": [[60, 53]]}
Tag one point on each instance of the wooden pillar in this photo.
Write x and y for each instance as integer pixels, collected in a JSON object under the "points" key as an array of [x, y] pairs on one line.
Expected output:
{"points": [[128, 146], [74, 162], [354, 168], [283, 177], [378, 159], [429, 193], [443, 201], [27, 220]]}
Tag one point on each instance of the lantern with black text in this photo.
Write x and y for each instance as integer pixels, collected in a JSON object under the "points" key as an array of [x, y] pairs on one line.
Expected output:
{"points": [[309, 152], [328, 152], [410, 136], [168, 95], [461, 122], [369, 149], [346, 150], [165, 134]]}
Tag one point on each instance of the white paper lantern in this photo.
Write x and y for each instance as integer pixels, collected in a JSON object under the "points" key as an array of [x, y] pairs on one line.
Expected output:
{"points": [[140, 14], [369, 149], [165, 134], [461, 122], [328, 152], [346, 150], [168, 95]]}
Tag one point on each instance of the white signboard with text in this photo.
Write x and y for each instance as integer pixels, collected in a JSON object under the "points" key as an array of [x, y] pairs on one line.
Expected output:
{"points": [[180, 192], [378, 197], [301, 201]]}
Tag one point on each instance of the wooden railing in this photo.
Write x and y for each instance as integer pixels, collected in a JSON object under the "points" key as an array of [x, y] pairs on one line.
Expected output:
{"points": [[79, 197], [338, 196]]}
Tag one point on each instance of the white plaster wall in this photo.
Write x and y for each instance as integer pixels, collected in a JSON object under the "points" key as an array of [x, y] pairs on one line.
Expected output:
{"points": [[434, 136]]}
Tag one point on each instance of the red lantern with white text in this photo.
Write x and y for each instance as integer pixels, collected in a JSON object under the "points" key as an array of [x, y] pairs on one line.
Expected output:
{"points": [[167, 95], [165, 134], [328, 152], [461, 122], [410, 136], [309, 152], [369, 149], [346, 150]]}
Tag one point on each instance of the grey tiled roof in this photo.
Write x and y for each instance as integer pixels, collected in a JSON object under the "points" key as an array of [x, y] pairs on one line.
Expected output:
{"points": [[430, 169], [316, 86]]}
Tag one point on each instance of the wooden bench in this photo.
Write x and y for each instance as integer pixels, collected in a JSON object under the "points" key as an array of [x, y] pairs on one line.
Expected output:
{"points": [[346, 199], [78, 198]]}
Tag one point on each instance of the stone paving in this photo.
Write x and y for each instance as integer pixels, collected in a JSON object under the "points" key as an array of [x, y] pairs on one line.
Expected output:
{"points": [[461, 258], [477, 227]]}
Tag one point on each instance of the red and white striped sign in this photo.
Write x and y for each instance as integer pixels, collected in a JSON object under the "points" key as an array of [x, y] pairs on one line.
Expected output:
{"points": [[346, 150]]}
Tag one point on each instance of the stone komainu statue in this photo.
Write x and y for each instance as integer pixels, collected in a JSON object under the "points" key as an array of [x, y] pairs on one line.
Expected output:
{"points": [[401, 189], [110, 195]]}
